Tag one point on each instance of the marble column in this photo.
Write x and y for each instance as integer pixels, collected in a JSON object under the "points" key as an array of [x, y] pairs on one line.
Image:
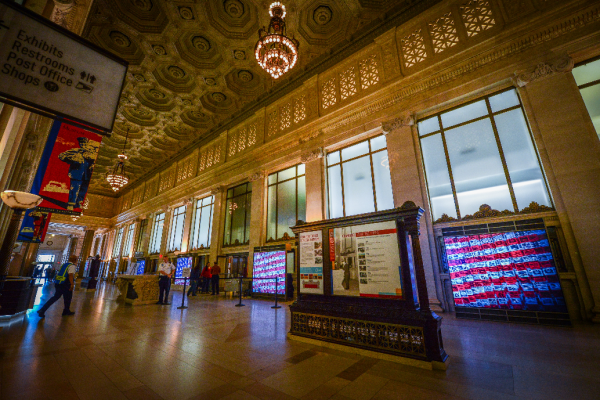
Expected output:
{"points": [[86, 247], [403, 160], [570, 152], [313, 169], [257, 218]]}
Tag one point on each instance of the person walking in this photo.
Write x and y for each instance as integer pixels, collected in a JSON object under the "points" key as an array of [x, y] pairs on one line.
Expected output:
{"points": [[206, 277], [215, 271], [64, 285], [194, 277], [165, 271]]}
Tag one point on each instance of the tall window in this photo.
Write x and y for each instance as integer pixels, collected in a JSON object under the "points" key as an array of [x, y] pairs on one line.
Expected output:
{"points": [[481, 153], [157, 230], [140, 237], [176, 231], [128, 240], [117, 246], [587, 77], [359, 179], [202, 223], [237, 215], [286, 202]]}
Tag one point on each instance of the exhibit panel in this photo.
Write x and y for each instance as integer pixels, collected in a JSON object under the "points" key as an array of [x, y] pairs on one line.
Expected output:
{"points": [[388, 311], [269, 274]]}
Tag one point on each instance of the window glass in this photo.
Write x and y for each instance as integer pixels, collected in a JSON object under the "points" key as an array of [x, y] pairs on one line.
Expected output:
{"points": [[587, 77], [333, 158], [429, 125], [128, 241], [201, 227], [438, 178], [476, 167], [355, 150], [286, 202], [521, 159], [587, 73], [117, 245], [463, 114], [140, 237], [362, 182], [358, 186], [591, 98], [483, 155], [177, 223], [157, 232], [237, 216], [504, 100]]}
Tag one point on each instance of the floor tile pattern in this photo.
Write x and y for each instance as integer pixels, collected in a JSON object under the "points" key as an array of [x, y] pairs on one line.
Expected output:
{"points": [[213, 350]]}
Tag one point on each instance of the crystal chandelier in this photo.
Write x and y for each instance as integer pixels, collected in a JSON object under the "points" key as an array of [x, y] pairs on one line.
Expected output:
{"points": [[275, 52], [117, 178]]}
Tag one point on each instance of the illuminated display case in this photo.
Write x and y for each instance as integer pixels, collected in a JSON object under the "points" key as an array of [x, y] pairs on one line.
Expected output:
{"points": [[182, 262], [269, 269], [141, 266]]}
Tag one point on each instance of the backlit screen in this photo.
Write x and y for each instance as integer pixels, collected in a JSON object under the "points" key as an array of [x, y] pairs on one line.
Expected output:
{"points": [[182, 262], [509, 270], [268, 266]]}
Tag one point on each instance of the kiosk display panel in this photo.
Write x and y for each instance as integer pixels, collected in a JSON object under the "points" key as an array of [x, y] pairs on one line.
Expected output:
{"points": [[267, 267], [509, 270], [311, 262], [182, 262]]}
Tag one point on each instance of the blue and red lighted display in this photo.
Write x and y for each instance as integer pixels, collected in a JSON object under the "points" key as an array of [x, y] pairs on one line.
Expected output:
{"points": [[182, 262], [266, 267], [509, 270]]}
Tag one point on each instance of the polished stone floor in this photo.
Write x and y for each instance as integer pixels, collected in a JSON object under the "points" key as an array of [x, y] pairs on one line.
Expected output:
{"points": [[214, 350]]}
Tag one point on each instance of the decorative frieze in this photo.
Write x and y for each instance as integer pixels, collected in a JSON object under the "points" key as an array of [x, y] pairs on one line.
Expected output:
{"points": [[397, 123], [312, 155], [543, 70], [256, 176]]}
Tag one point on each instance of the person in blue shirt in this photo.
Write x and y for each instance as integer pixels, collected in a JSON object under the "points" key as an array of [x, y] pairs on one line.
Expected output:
{"points": [[64, 283], [81, 165]]}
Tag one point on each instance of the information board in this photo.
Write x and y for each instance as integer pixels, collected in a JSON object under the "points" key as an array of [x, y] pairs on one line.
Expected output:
{"points": [[311, 262], [509, 270], [267, 267], [47, 67], [366, 261]]}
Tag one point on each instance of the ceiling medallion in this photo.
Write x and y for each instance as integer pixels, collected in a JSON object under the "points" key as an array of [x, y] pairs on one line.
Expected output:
{"points": [[117, 178], [275, 52], [218, 97], [234, 8]]}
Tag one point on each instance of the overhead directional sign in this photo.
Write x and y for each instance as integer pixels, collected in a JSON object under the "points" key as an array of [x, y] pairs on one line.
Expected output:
{"points": [[44, 66]]}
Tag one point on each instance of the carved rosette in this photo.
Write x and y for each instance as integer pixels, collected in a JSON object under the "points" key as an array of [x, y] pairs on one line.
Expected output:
{"points": [[256, 176], [61, 12], [397, 123], [312, 155], [543, 70]]}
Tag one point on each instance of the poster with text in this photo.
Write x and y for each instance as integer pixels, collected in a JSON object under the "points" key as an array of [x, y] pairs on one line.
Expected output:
{"points": [[311, 262], [65, 169], [367, 261]]}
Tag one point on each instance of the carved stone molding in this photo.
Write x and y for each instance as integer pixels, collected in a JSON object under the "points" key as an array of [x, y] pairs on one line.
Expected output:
{"points": [[543, 70], [312, 155], [397, 123], [256, 176], [216, 190]]}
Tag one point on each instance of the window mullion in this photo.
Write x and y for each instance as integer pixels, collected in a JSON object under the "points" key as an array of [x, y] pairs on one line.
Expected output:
{"points": [[502, 158], [342, 180]]}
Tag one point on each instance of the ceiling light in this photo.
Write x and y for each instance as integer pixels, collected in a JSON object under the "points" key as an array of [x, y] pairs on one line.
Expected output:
{"points": [[117, 178], [275, 52]]}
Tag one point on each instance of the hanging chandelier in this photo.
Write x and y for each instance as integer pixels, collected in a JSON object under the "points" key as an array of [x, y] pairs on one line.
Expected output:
{"points": [[117, 178], [275, 52]]}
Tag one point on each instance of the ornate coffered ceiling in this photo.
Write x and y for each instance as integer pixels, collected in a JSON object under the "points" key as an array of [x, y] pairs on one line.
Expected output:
{"points": [[192, 65]]}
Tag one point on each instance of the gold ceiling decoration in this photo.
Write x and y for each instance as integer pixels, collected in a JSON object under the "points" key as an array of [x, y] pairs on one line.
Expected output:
{"points": [[275, 52], [191, 66]]}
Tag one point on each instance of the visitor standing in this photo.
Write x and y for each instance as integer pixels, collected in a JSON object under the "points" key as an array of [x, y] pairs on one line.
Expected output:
{"points": [[215, 271], [194, 277], [206, 277], [165, 271], [64, 285]]}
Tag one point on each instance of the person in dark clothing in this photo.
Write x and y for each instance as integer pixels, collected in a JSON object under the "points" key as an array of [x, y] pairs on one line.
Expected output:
{"points": [[64, 285], [215, 271], [206, 277], [194, 277]]}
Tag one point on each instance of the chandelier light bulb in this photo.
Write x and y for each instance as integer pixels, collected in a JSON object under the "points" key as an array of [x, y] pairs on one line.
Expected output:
{"points": [[275, 52]]}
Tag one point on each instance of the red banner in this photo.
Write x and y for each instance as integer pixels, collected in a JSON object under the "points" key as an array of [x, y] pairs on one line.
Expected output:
{"points": [[331, 246], [67, 166]]}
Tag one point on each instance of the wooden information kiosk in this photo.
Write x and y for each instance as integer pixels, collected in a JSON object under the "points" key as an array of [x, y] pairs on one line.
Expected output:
{"points": [[361, 284]]}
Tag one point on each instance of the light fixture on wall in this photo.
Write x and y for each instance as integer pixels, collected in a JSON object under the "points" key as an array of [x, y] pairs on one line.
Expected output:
{"points": [[117, 178], [275, 52]]}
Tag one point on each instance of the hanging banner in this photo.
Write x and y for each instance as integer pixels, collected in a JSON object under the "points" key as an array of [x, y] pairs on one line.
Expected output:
{"points": [[44, 66], [34, 226], [65, 169]]}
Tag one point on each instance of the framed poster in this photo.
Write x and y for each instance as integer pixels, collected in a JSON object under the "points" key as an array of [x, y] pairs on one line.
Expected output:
{"points": [[366, 261], [311, 262]]}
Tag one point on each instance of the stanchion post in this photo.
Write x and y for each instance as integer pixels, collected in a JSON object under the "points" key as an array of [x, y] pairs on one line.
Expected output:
{"points": [[276, 291], [240, 303], [183, 296]]}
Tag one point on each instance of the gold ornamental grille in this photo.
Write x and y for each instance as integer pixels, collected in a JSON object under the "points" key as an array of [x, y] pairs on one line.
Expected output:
{"points": [[400, 339]]}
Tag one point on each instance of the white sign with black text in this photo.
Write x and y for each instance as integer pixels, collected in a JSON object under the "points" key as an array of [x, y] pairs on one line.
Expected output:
{"points": [[43, 66]]}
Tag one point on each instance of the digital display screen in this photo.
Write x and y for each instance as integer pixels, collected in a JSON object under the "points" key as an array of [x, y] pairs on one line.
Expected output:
{"points": [[509, 270], [182, 262], [268, 266], [45, 258], [141, 266]]}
